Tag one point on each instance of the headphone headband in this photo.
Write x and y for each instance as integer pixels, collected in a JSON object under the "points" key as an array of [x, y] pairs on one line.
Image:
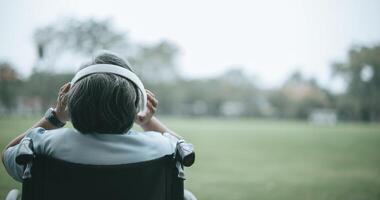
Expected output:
{"points": [[114, 69]]}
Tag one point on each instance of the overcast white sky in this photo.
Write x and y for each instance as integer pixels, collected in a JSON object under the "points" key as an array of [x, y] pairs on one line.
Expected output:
{"points": [[268, 39]]}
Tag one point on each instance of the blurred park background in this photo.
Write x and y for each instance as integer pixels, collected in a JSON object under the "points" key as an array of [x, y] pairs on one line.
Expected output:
{"points": [[280, 98]]}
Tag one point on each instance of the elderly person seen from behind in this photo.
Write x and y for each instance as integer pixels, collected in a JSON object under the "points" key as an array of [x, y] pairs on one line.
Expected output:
{"points": [[102, 108]]}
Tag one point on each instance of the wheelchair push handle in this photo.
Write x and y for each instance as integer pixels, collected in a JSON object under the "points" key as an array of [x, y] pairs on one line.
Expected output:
{"points": [[186, 153], [25, 152]]}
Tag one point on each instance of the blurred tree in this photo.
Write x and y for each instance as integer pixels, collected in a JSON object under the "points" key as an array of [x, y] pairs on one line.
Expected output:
{"points": [[362, 75], [45, 86], [235, 87], [156, 63], [71, 42], [72, 39], [298, 97], [9, 85]]}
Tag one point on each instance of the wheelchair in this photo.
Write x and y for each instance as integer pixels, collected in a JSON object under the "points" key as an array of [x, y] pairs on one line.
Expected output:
{"points": [[47, 178]]}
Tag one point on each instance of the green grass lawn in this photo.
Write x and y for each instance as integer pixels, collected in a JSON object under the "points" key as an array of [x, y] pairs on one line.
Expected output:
{"points": [[257, 159]]}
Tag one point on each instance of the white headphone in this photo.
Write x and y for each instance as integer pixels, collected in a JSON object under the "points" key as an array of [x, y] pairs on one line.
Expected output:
{"points": [[114, 69]]}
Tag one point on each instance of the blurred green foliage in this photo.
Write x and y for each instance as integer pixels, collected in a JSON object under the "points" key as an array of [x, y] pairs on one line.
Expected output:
{"points": [[231, 94]]}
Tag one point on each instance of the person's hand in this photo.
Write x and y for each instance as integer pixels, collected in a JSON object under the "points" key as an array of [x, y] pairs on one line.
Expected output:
{"points": [[61, 107], [151, 109]]}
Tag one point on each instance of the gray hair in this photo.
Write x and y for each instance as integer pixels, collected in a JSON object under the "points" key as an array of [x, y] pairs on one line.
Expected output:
{"points": [[103, 103]]}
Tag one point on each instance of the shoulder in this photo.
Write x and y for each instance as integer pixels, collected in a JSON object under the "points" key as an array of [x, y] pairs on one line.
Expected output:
{"points": [[44, 141], [148, 135], [152, 139], [41, 138], [41, 133], [71, 145]]}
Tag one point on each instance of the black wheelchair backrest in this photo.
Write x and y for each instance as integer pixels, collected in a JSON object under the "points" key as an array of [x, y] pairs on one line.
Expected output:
{"points": [[53, 179]]}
